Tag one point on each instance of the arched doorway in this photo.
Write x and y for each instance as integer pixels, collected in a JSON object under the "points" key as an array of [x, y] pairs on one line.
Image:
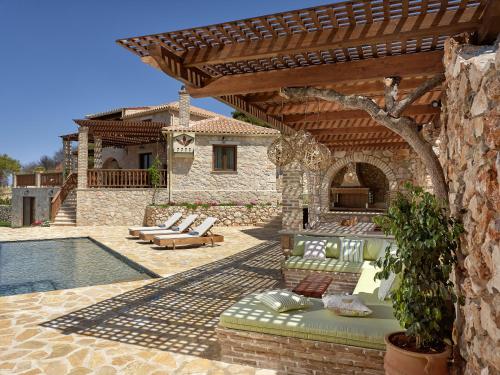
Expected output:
{"points": [[373, 174], [111, 163]]}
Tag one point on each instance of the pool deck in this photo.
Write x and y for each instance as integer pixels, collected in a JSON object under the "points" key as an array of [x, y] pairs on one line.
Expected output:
{"points": [[26, 347]]}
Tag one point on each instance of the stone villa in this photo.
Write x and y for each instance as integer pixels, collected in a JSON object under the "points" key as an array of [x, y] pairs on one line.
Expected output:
{"points": [[211, 159]]}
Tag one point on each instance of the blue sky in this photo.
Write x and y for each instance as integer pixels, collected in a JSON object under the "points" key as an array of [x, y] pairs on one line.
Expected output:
{"points": [[59, 61]]}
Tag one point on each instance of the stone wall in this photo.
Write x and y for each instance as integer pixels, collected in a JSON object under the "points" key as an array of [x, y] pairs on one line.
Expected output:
{"points": [[114, 206], [5, 212], [194, 179], [470, 140], [42, 196], [227, 215]]}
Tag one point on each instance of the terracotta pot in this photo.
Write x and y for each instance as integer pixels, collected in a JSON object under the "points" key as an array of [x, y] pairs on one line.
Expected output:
{"points": [[398, 361]]}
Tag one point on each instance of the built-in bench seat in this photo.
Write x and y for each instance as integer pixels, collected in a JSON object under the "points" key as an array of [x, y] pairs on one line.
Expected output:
{"points": [[309, 341], [313, 323], [345, 274]]}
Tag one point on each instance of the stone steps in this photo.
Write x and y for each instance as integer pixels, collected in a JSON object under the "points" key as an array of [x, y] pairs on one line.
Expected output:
{"points": [[67, 213]]}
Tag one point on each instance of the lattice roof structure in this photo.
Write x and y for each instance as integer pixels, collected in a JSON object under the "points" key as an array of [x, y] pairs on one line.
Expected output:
{"points": [[349, 46]]}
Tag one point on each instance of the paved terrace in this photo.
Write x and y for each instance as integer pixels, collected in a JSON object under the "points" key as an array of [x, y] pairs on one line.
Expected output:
{"points": [[158, 326]]}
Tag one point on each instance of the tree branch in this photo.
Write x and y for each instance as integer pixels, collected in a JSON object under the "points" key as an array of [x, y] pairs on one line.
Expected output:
{"points": [[391, 92], [404, 126], [419, 91]]}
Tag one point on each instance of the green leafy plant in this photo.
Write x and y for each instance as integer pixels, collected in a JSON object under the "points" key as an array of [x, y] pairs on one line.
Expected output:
{"points": [[427, 241], [4, 223], [5, 201], [155, 177]]}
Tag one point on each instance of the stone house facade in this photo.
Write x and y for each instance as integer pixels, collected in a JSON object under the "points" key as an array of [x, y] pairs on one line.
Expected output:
{"points": [[190, 176]]}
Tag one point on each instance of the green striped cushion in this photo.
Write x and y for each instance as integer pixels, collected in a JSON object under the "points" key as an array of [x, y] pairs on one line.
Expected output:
{"points": [[352, 250], [283, 300]]}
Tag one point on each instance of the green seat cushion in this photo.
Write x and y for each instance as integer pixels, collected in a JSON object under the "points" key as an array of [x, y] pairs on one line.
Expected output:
{"points": [[326, 265], [374, 248], [332, 245], [314, 323]]}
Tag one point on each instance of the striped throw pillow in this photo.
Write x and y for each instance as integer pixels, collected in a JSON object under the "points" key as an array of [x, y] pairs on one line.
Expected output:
{"points": [[352, 250], [283, 300]]}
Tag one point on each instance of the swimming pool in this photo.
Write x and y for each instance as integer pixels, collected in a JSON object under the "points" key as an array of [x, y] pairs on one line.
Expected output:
{"points": [[44, 265]]}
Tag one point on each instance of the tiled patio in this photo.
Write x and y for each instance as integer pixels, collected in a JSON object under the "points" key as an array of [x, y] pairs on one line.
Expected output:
{"points": [[161, 326]]}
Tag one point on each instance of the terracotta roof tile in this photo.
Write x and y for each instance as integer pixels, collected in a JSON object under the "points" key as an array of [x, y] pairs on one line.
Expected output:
{"points": [[223, 125], [173, 106]]}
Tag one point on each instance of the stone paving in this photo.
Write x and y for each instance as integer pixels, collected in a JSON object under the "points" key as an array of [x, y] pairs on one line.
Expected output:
{"points": [[29, 344]]}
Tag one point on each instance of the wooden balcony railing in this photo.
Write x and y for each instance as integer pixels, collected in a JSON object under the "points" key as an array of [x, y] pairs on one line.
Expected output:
{"points": [[61, 195], [26, 180], [122, 178], [51, 179]]}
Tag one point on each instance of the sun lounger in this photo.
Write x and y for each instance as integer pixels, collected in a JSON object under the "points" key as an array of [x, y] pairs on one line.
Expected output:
{"points": [[184, 225], [200, 235], [134, 231]]}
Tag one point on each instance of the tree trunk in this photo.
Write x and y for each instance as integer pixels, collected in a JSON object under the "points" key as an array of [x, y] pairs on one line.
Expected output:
{"points": [[404, 126]]}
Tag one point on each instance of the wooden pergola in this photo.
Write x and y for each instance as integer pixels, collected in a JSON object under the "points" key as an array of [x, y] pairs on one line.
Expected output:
{"points": [[347, 46], [120, 133]]}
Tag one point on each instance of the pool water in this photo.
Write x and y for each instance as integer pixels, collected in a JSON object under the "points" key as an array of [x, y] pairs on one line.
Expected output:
{"points": [[40, 266]]}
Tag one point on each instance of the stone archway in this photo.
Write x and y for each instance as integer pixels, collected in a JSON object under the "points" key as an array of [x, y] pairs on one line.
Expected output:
{"points": [[341, 163], [111, 163]]}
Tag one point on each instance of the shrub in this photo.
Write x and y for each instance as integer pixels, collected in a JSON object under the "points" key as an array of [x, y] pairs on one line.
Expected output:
{"points": [[427, 241]]}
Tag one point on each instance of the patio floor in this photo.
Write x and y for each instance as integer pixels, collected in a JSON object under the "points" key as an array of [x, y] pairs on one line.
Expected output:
{"points": [[160, 326]]}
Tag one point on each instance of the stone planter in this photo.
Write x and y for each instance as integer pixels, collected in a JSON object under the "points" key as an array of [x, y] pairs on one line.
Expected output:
{"points": [[227, 215]]}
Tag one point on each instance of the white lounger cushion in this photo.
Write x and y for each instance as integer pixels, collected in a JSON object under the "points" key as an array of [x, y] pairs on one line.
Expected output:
{"points": [[198, 231], [185, 224], [166, 225]]}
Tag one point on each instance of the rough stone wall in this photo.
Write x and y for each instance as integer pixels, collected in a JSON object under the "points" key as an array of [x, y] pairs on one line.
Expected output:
{"points": [[43, 197], [5, 212], [114, 206], [470, 140], [193, 178], [375, 179], [227, 215]]}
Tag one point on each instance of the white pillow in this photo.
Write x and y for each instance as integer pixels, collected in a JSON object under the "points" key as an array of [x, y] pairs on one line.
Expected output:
{"points": [[282, 300], [385, 286], [346, 305], [315, 249]]}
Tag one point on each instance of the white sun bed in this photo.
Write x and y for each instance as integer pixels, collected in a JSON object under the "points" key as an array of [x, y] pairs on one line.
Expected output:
{"points": [[184, 225], [134, 231], [200, 235]]}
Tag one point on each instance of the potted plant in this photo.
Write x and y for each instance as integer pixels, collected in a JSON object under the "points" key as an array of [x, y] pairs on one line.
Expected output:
{"points": [[427, 241]]}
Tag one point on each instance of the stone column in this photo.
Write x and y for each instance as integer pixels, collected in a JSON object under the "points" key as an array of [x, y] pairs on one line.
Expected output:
{"points": [[67, 158], [38, 179], [14, 180], [97, 153], [184, 104], [314, 180], [83, 156], [292, 197]]}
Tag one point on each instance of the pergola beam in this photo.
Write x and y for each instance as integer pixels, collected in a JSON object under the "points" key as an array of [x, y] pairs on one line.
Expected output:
{"points": [[357, 35], [327, 74], [353, 114], [350, 130]]}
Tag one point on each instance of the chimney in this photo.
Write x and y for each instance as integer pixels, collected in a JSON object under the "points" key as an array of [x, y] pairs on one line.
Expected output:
{"points": [[351, 177], [184, 100]]}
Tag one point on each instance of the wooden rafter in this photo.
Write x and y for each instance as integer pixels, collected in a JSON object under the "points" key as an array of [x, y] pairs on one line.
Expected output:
{"points": [[403, 66]]}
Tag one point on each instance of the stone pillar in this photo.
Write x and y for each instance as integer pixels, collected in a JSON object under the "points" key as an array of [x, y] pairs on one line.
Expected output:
{"points": [[184, 103], [38, 179], [292, 197], [67, 167], [83, 156], [14, 180], [314, 180], [97, 153]]}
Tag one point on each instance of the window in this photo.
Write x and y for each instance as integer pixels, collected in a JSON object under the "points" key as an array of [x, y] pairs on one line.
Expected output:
{"points": [[224, 158], [145, 160]]}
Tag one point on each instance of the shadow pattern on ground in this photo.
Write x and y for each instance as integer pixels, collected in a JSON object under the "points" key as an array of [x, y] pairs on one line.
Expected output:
{"points": [[179, 313]]}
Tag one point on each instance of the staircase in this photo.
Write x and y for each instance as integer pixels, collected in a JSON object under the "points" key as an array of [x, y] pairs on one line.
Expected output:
{"points": [[63, 205], [67, 213]]}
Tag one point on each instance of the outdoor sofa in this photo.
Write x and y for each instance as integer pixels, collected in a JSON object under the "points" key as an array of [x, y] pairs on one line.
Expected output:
{"points": [[310, 341], [345, 274]]}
